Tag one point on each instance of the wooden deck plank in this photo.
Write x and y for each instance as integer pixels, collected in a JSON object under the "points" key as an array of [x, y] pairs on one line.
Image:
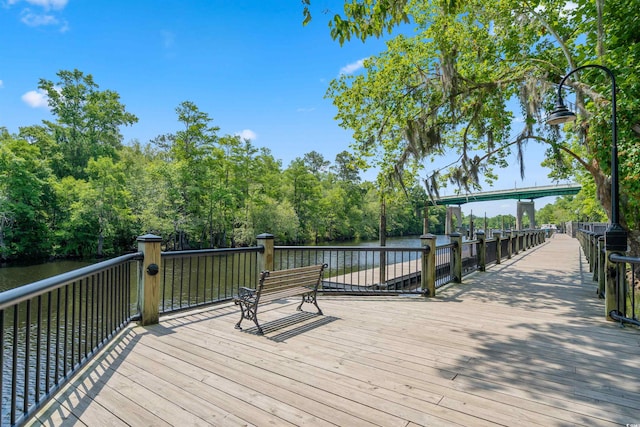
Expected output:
{"points": [[229, 370], [283, 372], [524, 343], [432, 382]]}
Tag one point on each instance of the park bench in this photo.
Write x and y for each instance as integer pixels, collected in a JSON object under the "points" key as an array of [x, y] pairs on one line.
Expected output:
{"points": [[279, 284]]}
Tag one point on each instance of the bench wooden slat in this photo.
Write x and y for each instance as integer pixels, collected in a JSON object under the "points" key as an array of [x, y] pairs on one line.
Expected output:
{"points": [[286, 293], [279, 284], [269, 286]]}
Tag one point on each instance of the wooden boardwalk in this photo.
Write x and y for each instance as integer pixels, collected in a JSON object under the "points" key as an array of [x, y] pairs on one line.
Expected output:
{"points": [[524, 343]]}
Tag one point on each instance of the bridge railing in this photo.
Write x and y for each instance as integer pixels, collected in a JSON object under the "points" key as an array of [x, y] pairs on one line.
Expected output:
{"points": [[617, 277], [52, 328]]}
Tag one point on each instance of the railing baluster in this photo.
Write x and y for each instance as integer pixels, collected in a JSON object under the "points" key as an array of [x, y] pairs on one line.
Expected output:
{"points": [[73, 324], [27, 357], [47, 355], [2, 361], [38, 348], [14, 367], [57, 357]]}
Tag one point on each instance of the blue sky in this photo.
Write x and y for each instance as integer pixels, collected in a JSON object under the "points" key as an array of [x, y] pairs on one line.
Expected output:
{"points": [[249, 64]]}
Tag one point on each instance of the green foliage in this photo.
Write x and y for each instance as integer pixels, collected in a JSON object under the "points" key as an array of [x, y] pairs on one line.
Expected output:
{"points": [[445, 89], [193, 187], [87, 125], [25, 194]]}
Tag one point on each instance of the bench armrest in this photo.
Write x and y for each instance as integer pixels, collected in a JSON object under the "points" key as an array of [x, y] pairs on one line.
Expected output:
{"points": [[246, 294]]}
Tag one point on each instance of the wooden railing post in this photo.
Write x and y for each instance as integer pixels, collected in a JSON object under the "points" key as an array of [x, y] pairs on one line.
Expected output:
{"points": [[428, 274], [456, 268], [590, 251], [497, 235], [594, 257], [149, 279], [482, 251], [601, 267], [509, 236], [266, 258]]}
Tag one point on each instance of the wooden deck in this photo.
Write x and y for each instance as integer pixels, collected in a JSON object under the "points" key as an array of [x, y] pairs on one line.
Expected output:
{"points": [[524, 343]]}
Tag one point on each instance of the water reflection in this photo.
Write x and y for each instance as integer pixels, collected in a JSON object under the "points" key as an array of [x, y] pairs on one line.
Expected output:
{"points": [[14, 276]]}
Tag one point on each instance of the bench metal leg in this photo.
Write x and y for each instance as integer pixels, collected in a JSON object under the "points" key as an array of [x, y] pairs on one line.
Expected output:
{"points": [[241, 314], [260, 331], [249, 312], [310, 298]]}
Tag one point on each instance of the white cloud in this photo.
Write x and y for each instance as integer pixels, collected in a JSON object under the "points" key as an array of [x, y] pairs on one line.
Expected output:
{"points": [[45, 4], [1, 84], [42, 13], [36, 99], [353, 67], [37, 19], [248, 134]]}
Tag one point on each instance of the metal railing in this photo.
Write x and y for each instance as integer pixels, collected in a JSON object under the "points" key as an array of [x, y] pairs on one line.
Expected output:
{"points": [[469, 257], [444, 259], [504, 248], [194, 278], [355, 269], [492, 251], [618, 283], [51, 328], [627, 288]]}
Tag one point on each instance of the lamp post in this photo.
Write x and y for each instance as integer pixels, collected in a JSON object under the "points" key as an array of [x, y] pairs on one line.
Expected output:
{"points": [[615, 236]]}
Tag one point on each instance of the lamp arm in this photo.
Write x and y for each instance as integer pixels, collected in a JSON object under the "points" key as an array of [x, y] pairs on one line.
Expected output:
{"points": [[601, 67]]}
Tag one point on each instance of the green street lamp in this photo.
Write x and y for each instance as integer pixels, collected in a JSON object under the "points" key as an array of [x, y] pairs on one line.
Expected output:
{"points": [[615, 236]]}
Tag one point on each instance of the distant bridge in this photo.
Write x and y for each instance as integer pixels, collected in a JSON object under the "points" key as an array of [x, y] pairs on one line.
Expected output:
{"points": [[518, 194]]}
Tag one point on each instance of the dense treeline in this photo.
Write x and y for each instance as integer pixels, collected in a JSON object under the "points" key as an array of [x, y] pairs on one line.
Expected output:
{"points": [[70, 187]]}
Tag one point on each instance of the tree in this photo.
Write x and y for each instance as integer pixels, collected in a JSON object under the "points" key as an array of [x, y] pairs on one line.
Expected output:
{"points": [[110, 203], [448, 88], [25, 194], [303, 191], [192, 152], [315, 162], [87, 126], [347, 167]]}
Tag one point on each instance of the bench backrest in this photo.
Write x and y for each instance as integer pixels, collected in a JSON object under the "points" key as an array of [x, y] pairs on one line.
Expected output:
{"points": [[279, 280]]}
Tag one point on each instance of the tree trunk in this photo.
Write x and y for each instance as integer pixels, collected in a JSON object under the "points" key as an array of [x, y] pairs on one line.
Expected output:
{"points": [[100, 244]]}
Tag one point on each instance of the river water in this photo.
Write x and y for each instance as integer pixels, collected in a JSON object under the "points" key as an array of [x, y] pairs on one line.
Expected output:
{"points": [[14, 276]]}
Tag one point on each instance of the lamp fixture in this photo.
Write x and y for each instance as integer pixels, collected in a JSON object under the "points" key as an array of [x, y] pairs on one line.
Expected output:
{"points": [[615, 236]]}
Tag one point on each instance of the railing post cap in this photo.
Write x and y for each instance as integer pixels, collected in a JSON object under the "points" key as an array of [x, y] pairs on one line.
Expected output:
{"points": [[265, 236], [455, 234], [149, 238], [480, 233], [428, 236]]}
